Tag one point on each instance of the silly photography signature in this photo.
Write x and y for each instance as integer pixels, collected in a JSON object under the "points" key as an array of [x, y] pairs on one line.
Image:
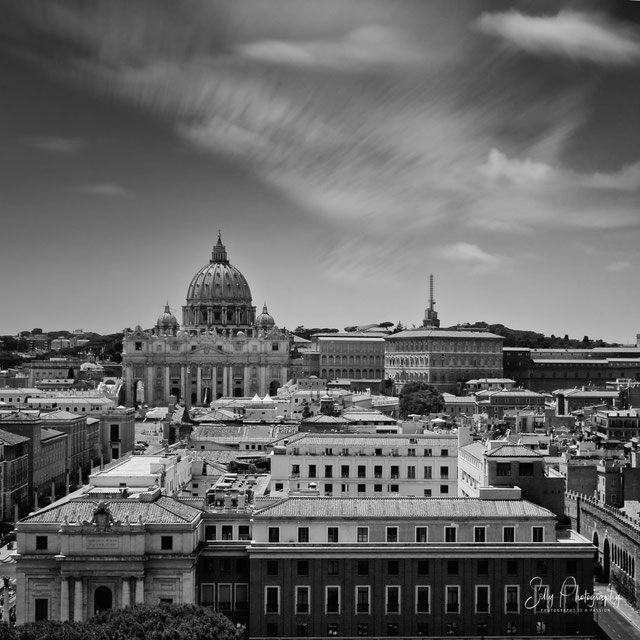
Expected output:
{"points": [[568, 597]]}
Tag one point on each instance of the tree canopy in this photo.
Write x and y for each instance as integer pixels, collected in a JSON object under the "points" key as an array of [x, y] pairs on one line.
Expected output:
{"points": [[142, 622], [419, 398]]}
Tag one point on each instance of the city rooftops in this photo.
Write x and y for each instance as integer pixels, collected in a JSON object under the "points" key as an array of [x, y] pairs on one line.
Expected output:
{"points": [[399, 507], [444, 333]]}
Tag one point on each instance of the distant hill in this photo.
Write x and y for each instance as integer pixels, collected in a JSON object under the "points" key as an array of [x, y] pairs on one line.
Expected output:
{"points": [[535, 340]]}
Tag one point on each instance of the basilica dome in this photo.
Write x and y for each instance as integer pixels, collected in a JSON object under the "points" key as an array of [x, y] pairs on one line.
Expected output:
{"points": [[167, 319], [265, 319], [218, 295]]}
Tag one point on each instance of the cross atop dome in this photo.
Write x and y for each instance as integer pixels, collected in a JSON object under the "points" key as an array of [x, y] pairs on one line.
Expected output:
{"points": [[219, 253]]}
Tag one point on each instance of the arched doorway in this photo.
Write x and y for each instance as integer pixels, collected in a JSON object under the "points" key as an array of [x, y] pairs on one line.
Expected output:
{"points": [[606, 558], [273, 388], [597, 569], [102, 599]]}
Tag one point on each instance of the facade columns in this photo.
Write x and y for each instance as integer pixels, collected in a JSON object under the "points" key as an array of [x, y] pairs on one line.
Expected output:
{"points": [[167, 382], [225, 381], [64, 599], [199, 384], [183, 382], [126, 592], [140, 590], [78, 600]]}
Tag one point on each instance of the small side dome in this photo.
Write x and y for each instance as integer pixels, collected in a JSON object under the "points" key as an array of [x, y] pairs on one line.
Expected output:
{"points": [[264, 320], [167, 319]]}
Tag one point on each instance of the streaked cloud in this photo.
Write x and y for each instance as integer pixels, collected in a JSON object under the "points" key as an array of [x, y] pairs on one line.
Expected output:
{"points": [[370, 46], [106, 189], [522, 172], [627, 179], [590, 37], [57, 144]]}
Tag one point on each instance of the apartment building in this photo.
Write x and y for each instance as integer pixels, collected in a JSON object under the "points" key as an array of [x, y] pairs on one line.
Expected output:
{"points": [[347, 464]]}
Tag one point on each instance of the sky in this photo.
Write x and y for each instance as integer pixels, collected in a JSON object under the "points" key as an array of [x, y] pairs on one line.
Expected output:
{"points": [[345, 149]]}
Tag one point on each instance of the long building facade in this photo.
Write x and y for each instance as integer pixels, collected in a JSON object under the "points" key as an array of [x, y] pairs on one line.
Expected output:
{"points": [[221, 349]]}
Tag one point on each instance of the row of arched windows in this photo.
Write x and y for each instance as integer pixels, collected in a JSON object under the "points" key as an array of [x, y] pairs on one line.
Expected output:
{"points": [[623, 559]]}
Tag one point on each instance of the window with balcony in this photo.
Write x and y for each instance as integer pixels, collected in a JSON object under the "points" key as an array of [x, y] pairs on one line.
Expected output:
{"points": [[482, 598], [421, 534], [272, 600], [452, 599], [508, 534], [512, 599], [332, 600], [392, 534], [302, 600], [450, 534], [392, 599], [479, 534], [363, 534], [363, 598], [423, 599]]}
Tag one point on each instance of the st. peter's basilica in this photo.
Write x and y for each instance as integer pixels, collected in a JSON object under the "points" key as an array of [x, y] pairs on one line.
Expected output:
{"points": [[221, 349]]}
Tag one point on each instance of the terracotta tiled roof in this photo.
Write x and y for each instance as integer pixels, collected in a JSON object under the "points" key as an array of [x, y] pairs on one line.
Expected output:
{"points": [[509, 450], [163, 511], [392, 508]]}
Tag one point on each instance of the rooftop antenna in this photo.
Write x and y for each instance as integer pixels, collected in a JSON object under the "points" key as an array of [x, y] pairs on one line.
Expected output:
{"points": [[430, 315]]}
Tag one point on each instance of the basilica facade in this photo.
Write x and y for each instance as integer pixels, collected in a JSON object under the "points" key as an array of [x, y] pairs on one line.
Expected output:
{"points": [[221, 349]]}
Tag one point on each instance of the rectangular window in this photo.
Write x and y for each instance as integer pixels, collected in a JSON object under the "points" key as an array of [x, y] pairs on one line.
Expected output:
{"points": [[41, 609], [393, 567], [479, 534], [411, 452], [272, 599], [328, 488], [333, 567], [392, 628], [395, 472], [452, 599], [312, 470], [482, 598], [512, 567], [450, 534], [423, 567], [512, 598], [207, 596], [503, 469], [541, 598], [422, 629], [421, 534], [302, 599], [452, 567], [227, 532], [332, 629], [483, 567], [302, 567], [377, 488], [423, 599], [242, 596], [444, 489], [344, 471], [302, 629], [428, 453], [166, 543], [115, 432], [332, 534], [363, 599], [525, 469], [362, 471], [274, 534], [508, 534], [244, 532], [377, 471], [272, 567], [411, 472], [42, 543], [363, 567], [392, 599], [328, 471], [444, 473], [363, 534], [295, 470], [362, 629], [541, 567], [392, 534], [303, 534], [332, 600], [362, 488], [537, 534], [224, 597]]}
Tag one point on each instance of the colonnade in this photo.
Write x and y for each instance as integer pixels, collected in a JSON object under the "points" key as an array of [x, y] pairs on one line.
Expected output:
{"points": [[80, 594]]}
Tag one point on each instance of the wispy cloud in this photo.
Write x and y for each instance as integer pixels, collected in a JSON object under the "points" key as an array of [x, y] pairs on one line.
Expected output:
{"points": [[371, 46], [470, 257], [580, 36], [57, 144], [627, 179], [618, 267], [106, 189], [523, 172]]}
